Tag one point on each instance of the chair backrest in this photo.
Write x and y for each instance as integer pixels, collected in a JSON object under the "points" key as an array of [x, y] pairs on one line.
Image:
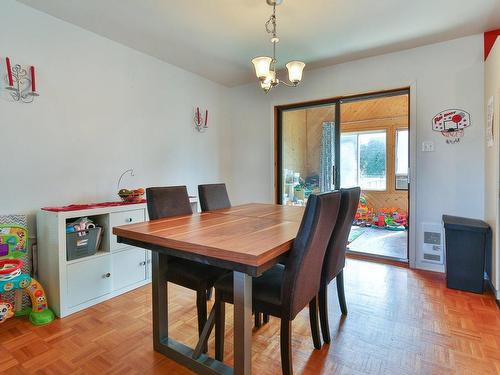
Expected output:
{"points": [[335, 253], [213, 197], [167, 201], [303, 267]]}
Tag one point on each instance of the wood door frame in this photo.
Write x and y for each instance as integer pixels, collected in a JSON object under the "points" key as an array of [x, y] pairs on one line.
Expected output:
{"points": [[409, 90]]}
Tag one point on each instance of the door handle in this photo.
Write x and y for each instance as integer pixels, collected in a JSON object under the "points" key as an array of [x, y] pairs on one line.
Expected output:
{"points": [[334, 177]]}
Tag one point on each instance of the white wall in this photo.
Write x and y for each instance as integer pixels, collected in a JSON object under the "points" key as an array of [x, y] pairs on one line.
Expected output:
{"points": [[103, 108], [492, 159], [445, 75]]}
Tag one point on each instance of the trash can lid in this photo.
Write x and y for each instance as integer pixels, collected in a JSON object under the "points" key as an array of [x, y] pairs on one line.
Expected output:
{"points": [[464, 223]]}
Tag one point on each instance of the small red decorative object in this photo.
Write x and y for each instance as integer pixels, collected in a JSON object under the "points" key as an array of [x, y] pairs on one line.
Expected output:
{"points": [[9, 71], [381, 221], [33, 85], [456, 119], [206, 118]]}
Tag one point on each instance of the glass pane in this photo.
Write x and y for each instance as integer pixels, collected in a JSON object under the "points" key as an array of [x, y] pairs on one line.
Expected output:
{"points": [[372, 160], [308, 147], [348, 160], [402, 159]]}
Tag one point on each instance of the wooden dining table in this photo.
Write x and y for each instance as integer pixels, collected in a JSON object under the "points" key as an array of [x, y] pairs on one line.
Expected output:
{"points": [[247, 239]]}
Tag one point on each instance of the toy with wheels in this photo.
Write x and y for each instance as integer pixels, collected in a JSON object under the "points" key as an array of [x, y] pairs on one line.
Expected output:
{"points": [[11, 278]]}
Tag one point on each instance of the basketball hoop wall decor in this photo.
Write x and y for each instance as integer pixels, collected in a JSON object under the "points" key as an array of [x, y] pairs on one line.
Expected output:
{"points": [[451, 124]]}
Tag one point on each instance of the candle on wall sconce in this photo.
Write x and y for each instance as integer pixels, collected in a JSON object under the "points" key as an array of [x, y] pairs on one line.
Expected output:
{"points": [[22, 84], [200, 120], [33, 85], [9, 71]]}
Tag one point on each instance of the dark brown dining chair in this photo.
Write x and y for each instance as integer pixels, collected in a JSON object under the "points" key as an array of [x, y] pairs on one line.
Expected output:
{"points": [[213, 197], [333, 265], [284, 290], [174, 201]]}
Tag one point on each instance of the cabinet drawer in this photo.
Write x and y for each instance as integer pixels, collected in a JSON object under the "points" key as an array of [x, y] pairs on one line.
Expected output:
{"points": [[123, 218], [88, 280], [129, 267]]}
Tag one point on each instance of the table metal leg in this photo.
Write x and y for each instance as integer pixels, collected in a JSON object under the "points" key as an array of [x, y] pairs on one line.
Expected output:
{"points": [[196, 361], [242, 324], [160, 299]]}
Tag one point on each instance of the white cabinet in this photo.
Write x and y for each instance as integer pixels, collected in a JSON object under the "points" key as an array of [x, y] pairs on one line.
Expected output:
{"points": [[88, 280], [74, 285], [129, 267], [116, 268]]}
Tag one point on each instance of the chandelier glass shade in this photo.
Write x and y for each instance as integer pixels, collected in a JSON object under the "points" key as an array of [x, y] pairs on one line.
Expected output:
{"points": [[262, 66], [265, 67]]}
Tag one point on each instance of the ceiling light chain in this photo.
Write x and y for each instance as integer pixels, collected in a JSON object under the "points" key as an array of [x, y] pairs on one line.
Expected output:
{"points": [[265, 67]]}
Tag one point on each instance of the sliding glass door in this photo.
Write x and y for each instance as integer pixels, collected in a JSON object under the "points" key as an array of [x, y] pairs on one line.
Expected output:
{"points": [[309, 152], [345, 142]]}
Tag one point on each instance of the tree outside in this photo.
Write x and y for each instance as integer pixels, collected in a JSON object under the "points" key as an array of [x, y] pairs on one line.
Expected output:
{"points": [[372, 158]]}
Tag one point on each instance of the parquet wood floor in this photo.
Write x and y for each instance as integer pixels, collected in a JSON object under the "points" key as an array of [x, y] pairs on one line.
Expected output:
{"points": [[400, 322]]}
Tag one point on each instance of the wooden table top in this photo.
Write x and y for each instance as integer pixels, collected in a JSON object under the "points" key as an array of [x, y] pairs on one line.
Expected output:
{"points": [[269, 211], [251, 234]]}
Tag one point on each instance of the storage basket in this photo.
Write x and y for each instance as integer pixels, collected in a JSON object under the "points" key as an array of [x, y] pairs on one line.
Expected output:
{"points": [[83, 243]]}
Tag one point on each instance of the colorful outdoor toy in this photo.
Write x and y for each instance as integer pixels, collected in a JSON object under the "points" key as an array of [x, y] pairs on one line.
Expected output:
{"points": [[364, 214], [14, 245], [11, 278]]}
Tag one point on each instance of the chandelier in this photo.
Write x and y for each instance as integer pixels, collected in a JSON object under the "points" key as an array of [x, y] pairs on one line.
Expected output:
{"points": [[265, 67]]}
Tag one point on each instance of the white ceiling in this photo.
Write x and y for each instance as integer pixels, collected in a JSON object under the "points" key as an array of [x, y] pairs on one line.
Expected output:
{"points": [[218, 38]]}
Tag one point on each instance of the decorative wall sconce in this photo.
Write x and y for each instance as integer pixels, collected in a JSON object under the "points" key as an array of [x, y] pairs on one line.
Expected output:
{"points": [[20, 84], [200, 120]]}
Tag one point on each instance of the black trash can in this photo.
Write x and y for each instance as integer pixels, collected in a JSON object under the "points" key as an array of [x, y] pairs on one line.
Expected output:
{"points": [[467, 241]]}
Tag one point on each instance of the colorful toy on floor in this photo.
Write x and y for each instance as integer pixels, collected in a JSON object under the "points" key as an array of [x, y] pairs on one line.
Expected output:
{"points": [[14, 245], [400, 218], [6, 311], [385, 218], [391, 219], [13, 241], [380, 221], [391, 224], [11, 278], [364, 215]]}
